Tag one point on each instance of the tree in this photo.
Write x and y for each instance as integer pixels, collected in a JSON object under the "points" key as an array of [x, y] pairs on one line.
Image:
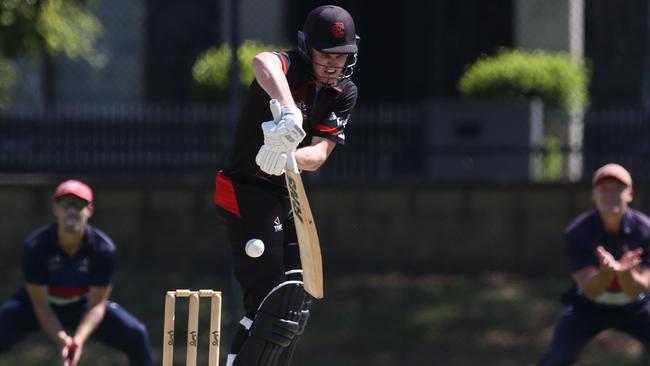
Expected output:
{"points": [[54, 27]]}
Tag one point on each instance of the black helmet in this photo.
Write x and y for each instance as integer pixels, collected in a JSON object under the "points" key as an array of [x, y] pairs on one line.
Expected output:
{"points": [[329, 29]]}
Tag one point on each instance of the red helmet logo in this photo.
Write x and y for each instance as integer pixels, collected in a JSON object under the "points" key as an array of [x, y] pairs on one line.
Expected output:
{"points": [[338, 30]]}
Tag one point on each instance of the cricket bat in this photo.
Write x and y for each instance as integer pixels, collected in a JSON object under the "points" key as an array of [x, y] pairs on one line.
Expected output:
{"points": [[310, 256], [308, 243]]}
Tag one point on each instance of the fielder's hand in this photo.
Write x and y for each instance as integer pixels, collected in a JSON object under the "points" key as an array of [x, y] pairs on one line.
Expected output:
{"points": [[71, 354]]}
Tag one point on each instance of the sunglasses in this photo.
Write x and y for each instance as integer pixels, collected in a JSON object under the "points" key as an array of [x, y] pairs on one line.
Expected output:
{"points": [[77, 204]]}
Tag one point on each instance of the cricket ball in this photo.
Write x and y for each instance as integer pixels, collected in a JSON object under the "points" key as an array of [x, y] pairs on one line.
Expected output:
{"points": [[254, 248]]}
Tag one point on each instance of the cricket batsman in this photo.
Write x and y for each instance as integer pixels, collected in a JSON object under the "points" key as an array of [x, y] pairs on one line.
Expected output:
{"points": [[313, 87]]}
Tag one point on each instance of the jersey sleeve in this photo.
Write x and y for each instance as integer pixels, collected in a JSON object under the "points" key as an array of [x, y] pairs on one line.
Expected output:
{"points": [[34, 265], [332, 127], [285, 59], [102, 266]]}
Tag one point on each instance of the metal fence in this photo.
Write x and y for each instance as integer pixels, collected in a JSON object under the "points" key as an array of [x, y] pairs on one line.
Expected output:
{"points": [[130, 141], [384, 143], [618, 135]]}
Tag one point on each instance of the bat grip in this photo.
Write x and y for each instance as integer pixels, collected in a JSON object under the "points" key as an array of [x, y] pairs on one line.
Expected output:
{"points": [[292, 164], [276, 109]]}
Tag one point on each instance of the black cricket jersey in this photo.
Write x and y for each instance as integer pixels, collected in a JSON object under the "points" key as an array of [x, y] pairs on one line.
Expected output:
{"points": [[325, 112]]}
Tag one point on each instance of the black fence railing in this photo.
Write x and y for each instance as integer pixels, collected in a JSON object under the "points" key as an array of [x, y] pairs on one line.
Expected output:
{"points": [[385, 143], [133, 141], [618, 135]]}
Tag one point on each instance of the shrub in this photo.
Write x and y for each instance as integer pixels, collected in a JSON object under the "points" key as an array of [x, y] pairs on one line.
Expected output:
{"points": [[552, 159], [211, 71], [8, 77], [558, 79]]}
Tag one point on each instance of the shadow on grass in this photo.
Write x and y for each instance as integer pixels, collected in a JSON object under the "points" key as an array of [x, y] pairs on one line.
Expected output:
{"points": [[370, 319]]}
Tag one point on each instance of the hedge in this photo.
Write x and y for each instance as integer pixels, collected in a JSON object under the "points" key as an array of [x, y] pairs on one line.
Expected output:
{"points": [[8, 78], [211, 71], [559, 79]]}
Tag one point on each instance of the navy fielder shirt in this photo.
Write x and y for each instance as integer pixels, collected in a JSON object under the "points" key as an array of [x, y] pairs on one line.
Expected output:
{"points": [[586, 233], [68, 279]]}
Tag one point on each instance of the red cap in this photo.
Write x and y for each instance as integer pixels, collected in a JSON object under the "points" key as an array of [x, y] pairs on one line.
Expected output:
{"points": [[612, 171], [75, 188]]}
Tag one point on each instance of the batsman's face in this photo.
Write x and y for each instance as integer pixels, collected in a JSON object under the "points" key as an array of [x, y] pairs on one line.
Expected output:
{"points": [[72, 213], [611, 197], [328, 66]]}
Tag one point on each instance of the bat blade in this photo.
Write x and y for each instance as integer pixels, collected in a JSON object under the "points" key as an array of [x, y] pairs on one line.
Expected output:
{"points": [[310, 255]]}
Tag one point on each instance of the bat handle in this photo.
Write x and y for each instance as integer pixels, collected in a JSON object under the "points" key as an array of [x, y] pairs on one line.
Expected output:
{"points": [[292, 164], [276, 109]]}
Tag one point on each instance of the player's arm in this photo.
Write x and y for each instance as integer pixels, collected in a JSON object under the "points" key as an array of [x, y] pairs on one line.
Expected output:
{"points": [[593, 281], [635, 281], [270, 75], [633, 277], [310, 158], [45, 315], [97, 298]]}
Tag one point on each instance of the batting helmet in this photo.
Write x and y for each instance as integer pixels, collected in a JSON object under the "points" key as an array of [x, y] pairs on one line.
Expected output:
{"points": [[329, 29]]}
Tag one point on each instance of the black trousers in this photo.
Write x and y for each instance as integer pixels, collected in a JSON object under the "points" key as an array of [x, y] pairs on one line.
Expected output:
{"points": [[263, 214]]}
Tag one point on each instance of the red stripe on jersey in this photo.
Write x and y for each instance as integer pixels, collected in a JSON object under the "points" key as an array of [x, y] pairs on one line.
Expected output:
{"points": [[224, 194], [614, 286], [322, 128], [67, 292]]}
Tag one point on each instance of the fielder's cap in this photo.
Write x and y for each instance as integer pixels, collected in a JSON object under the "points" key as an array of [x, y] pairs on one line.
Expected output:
{"points": [[75, 188], [330, 29], [612, 171]]}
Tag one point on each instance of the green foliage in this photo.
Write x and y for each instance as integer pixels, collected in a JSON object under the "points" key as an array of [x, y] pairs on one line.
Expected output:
{"points": [[56, 26], [560, 80], [211, 71], [28, 27], [70, 29], [552, 159], [8, 77]]}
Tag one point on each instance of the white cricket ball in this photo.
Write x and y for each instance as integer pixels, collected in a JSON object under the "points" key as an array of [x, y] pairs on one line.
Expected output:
{"points": [[254, 248]]}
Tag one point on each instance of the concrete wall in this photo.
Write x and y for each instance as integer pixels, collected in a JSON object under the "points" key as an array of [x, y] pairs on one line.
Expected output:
{"points": [[388, 228], [555, 25]]}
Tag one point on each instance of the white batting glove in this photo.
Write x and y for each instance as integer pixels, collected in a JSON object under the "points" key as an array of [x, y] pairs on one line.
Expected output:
{"points": [[289, 128], [272, 140], [271, 161]]}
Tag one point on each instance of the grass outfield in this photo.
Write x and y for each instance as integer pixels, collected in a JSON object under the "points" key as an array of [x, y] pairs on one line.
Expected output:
{"points": [[371, 319]]}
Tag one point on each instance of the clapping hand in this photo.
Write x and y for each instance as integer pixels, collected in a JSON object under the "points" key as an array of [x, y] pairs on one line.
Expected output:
{"points": [[629, 260]]}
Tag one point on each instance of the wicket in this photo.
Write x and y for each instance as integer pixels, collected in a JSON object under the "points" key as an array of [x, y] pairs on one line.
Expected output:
{"points": [[192, 326]]}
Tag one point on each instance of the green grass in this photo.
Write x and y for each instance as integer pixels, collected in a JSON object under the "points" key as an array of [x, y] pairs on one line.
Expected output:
{"points": [[372, 319]]}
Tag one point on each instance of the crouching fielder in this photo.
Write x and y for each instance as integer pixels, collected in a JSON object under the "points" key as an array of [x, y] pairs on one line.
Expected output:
{"points": [[313, 87], [68, 268], [609, 254]]}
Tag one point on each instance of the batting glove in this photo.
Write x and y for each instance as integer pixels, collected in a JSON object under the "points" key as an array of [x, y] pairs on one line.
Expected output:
{"points": [[272, 140], [271, 161], [289, 128]]}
